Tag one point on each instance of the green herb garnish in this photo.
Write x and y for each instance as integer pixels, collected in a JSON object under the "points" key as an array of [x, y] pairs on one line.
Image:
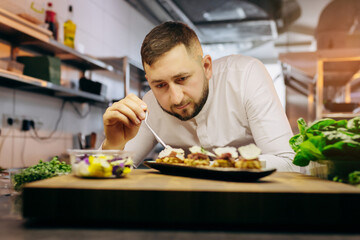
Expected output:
{"points": [[42, 170]]}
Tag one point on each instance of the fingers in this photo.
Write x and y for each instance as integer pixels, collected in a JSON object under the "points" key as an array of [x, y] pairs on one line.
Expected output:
{"points": [[113, 117], [129, 111], [138, 101]]}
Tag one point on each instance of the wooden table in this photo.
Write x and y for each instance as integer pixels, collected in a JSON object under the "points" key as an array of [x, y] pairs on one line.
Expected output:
{"points": [[280, 200]]}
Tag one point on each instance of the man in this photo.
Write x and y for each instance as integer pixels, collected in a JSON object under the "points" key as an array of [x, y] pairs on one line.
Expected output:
{"points": [[195, 102]]}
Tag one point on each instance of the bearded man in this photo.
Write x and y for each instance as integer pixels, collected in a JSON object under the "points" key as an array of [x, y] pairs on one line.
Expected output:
{"points": [[195, 101]]}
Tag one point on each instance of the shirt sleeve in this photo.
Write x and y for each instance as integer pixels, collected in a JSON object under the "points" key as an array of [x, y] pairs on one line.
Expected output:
{"points": [[267, 119]]}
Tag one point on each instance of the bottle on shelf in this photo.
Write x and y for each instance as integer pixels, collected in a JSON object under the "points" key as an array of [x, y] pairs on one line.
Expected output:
{"points": [[69, 30], [51, 20]]}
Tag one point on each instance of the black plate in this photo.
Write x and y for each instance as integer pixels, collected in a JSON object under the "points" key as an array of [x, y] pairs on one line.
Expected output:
{"points": [[227, 174]]}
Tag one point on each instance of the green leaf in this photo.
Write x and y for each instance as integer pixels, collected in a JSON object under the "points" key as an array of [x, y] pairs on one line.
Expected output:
{"points": [[335, 136], [321, 124], [301, 159], [354, 177], [313, 147], [335, 126], [326, 139], [309, 150], [354, 125], [356, 138], [341, 123], [295, 141], [302, 126], [345, 150]]}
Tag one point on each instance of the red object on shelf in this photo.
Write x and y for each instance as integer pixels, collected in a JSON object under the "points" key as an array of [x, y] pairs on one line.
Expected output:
{"points": [[50, 18]]}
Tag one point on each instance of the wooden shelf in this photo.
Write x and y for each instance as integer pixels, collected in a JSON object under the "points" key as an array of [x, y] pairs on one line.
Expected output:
{"points": [[340, 115], [21, 33], [26, 35]]}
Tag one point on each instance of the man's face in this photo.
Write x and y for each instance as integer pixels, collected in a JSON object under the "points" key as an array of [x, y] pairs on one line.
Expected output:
{"points": [[180, 82]]}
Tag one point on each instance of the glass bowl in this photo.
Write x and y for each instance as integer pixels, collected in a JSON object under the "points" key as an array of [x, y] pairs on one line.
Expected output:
{"points": [[101, 163]]}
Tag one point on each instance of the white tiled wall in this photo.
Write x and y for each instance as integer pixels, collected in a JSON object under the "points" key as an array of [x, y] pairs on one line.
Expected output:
{"points": [[104, 28]]}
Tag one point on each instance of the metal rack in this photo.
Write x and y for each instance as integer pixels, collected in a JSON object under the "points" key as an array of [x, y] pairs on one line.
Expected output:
{"points": [[322, 60], [304, 72]]}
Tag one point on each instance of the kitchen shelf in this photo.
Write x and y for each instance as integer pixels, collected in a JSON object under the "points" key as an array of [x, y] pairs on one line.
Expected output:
{"points": [[26, 83], [21, 33], [340, 115], [344, 57], [25, 35], [305, 73], [136, 71], [69, 55], [132, 70]]}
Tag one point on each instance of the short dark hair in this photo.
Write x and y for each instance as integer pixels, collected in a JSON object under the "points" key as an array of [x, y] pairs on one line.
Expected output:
{"points": [[164, 37]]}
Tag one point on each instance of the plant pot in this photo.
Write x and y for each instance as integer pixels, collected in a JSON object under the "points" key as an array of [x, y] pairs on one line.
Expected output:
{"points": [[319, 170], [339, 169]]}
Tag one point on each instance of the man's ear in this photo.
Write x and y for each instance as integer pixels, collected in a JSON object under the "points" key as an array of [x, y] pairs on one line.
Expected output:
{"points": [[207, 65]]}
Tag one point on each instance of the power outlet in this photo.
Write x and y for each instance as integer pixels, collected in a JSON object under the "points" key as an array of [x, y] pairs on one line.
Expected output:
{"points": [[38, 123], [14, 121], [9, 121]]}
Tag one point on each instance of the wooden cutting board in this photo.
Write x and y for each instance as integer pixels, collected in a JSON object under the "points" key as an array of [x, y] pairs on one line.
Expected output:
{"points": [[146, 196]]}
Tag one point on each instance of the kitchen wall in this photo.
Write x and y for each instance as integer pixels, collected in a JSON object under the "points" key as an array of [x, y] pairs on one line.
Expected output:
{"points": [[106, 28]]}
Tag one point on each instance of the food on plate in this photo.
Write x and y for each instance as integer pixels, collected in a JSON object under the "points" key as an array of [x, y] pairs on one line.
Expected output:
{"points": [[101, 165], [225, 157], [248, 164], [249, 157], [171, 155], [198, 157]]}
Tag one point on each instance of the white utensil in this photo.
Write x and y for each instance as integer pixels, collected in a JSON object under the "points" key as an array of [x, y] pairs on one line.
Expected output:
{"points": [[156, 136]]}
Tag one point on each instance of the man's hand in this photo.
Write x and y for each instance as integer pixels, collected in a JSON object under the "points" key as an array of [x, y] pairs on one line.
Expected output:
{"points": [[122, 121]]}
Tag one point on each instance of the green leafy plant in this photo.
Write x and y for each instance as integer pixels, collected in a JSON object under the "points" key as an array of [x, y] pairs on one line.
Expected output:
{"points": [[326, 139], [42, 170], [354, 178]]}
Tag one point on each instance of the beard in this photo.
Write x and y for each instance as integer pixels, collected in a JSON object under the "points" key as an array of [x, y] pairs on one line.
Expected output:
{"points": [[198, 106]]}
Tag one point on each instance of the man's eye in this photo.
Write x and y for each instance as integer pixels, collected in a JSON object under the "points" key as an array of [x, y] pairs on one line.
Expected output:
{"points": [[161, 85], [183, 78]]}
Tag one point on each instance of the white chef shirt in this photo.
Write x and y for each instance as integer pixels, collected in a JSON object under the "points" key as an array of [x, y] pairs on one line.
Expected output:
{"points": [[242, 108]]}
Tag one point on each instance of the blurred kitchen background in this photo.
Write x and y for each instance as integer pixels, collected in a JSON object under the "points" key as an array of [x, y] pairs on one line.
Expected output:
{"points": [[311, 49]]}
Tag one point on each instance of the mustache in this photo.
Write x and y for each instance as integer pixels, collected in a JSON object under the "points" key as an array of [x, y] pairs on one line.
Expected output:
{"points": [[181, 104]]}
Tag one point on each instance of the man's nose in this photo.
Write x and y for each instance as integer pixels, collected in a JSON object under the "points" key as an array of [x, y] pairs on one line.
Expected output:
{"points": [[176, 94]]}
